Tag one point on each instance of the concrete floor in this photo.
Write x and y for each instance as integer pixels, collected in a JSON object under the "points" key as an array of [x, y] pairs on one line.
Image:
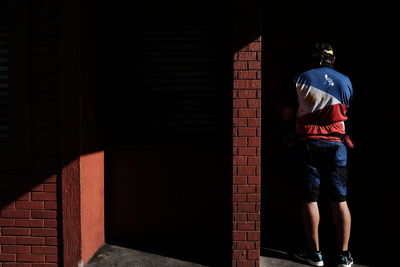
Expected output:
{"points": [[110, 255], [275, 258], [273, 262], [115, 256]]}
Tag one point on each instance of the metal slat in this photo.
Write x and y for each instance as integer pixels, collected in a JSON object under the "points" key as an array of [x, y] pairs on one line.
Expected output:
{"points": [[174, 75], [4, 88], [171, 79]]}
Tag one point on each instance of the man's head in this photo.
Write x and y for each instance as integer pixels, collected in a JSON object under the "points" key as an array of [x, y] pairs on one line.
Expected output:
{"points": [[322, 55]]}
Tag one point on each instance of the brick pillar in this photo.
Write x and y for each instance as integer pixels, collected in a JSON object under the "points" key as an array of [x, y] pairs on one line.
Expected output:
{"points": [[246, 135], [82, 158]]}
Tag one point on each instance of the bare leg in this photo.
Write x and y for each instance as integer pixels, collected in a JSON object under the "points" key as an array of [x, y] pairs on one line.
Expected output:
{"points": [[310, 216], [342, 220]]}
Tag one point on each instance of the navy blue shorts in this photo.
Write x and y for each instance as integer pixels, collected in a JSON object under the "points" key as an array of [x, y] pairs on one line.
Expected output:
{"points": [[321, 167]]}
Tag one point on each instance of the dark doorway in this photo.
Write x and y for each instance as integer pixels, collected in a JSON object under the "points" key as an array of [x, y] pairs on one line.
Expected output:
{"points": [[167, 108], [359, 42]]}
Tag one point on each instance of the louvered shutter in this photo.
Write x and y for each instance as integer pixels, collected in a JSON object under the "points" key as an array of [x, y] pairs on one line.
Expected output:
{"points": [[3, 74], [169, 80]]}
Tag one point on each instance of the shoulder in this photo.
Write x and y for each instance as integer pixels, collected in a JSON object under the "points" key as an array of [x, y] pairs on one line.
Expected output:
{"points": [[340, 76], [306, 75], [310, 77]]}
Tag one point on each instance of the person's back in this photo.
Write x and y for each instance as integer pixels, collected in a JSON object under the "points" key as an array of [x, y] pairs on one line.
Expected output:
{"points": [[320, 101], [324, 95]]}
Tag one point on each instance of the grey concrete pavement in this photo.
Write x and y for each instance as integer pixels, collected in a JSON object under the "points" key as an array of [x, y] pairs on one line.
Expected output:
{"points": [[115, 256], [274, 262], [276, 258]]}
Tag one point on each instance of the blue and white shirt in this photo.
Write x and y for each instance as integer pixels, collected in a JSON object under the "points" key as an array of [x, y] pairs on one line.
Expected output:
{"points": [[323, 96]]}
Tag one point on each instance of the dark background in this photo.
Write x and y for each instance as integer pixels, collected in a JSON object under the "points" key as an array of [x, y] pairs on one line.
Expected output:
{"points": [[154, 199], [364, 41], [190, 127], [167, 75]]}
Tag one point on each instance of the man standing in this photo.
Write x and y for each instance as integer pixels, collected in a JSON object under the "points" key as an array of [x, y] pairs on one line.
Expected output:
{"points": [[319, 105]]}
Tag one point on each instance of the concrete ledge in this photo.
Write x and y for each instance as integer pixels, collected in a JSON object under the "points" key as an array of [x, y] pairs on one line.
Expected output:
{"points": [[110, 255]]}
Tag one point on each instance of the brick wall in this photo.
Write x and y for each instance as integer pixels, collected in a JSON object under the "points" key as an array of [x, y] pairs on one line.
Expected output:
{"points": [[28, 198], [246, 154]]}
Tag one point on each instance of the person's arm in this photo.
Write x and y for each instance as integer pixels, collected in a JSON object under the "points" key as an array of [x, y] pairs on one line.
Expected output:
{"points": [[287, 114], [289, 107]]}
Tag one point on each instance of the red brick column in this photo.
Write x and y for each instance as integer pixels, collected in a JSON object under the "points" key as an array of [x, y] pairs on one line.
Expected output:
{"points": [[246, 138], [82, 156]]}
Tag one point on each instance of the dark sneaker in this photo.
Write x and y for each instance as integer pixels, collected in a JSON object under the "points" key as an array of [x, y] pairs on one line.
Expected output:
{"points": [[312, 257], [345, 259]]}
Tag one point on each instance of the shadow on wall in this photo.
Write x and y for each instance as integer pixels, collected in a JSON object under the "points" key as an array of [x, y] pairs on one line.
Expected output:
{"points": [[358, 43], [163, 118], [29, 217], [168, 128]]}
